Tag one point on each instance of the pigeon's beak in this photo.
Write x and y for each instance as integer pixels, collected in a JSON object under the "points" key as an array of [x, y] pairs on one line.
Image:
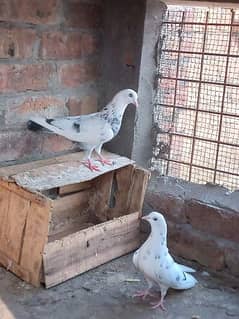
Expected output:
{"points": [[136, 103], [145, 218]]}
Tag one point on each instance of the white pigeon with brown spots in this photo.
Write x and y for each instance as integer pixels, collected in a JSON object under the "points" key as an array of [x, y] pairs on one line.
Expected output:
{"points": [[157, 265]]}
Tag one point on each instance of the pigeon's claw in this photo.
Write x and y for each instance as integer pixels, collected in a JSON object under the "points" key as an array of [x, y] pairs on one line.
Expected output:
{"points": [[88, 163], [104, 161], [158, 305], [143, 294]]}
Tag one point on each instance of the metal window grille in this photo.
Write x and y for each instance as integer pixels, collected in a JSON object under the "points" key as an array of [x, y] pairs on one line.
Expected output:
{"points": [[196, 112]]}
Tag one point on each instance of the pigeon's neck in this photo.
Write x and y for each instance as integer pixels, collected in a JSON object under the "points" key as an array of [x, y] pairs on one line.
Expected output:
{"points": [[113, 114], [117, 109], [158, 238]]}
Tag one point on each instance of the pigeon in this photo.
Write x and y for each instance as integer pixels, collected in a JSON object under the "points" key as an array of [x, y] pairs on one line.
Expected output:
{"points": [[91, 130], [157, 265]]}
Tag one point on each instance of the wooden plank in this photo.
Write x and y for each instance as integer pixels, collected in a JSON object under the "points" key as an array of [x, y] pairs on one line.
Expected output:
{"points": [[100, 199], [123, 179], [138, 189], [14, 214], [86, 249], [70, 230], [4, 207], [74, 201], [32, 196], [69, 210], [19, 168], [73, 188], [18, 270], [70, 172], [36, 232]]}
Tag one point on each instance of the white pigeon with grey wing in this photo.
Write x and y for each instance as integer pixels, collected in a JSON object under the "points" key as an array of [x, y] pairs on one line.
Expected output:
{"points": [[91, 130], [157, 265]]}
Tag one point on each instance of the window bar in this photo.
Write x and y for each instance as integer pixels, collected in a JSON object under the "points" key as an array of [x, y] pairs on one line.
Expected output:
{"points": [[198, 96], [204, 167], [201, 110], [203, 82], [176, 85], [226, 110], [205, 140], [223, 96], [203, 23], [200, 53]]}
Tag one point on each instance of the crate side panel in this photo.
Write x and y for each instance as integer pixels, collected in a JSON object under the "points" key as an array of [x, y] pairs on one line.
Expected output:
{"points": [[14, 213], [72, 188], [138, 189], [36, 233], [4, 206], [100, 198], [20, 191], [89, 248], [12, 266], [123, 181]]}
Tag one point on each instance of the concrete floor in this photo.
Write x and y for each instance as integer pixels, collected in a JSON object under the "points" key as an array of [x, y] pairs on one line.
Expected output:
{"points": [[105, 293]]}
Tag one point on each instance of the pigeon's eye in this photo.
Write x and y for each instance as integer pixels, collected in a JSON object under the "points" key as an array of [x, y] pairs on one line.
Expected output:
{"points": [[155, 218], [130, 95]]}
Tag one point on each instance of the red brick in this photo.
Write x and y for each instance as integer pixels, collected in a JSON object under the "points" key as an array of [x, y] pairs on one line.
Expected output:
{"points": [[30, 11], [172, 207], [213, 220], [90, 44], [24, 77], [59, 45], [55, 144], [20, 111], [17, 43], [67, 45], [82, 15], [72, 75], [194, 245], [85, 105], [16, 145]]}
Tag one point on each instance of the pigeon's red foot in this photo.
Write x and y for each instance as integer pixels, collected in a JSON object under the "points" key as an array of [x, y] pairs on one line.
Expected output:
{"points": [[105, 161], [88, 163], [158, 305], [143, 294]]}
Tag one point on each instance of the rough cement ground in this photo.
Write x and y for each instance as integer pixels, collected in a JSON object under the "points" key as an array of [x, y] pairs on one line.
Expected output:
{"points": [[105, 293]]}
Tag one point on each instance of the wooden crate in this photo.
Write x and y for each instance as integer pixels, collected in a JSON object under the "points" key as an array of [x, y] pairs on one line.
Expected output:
{"points": [[58, 219]]}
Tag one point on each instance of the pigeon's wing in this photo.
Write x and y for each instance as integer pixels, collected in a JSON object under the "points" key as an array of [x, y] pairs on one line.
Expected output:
{"points": [[93, 130], [186, 268], [66, 123], [171, 274], [136, 258], [90, 129]]}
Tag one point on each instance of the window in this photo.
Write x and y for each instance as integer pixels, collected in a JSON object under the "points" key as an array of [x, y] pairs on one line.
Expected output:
{"points": [[196, 113]]}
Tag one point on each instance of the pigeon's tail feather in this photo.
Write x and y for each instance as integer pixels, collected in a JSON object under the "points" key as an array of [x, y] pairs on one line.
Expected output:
{"points": [[43, 123], [33, 126], [49, 121], [187, 282], [186, 268]]}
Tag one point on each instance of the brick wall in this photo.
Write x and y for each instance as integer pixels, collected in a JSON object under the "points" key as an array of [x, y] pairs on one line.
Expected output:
{"points": [[49, 65], [203, 222]]}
